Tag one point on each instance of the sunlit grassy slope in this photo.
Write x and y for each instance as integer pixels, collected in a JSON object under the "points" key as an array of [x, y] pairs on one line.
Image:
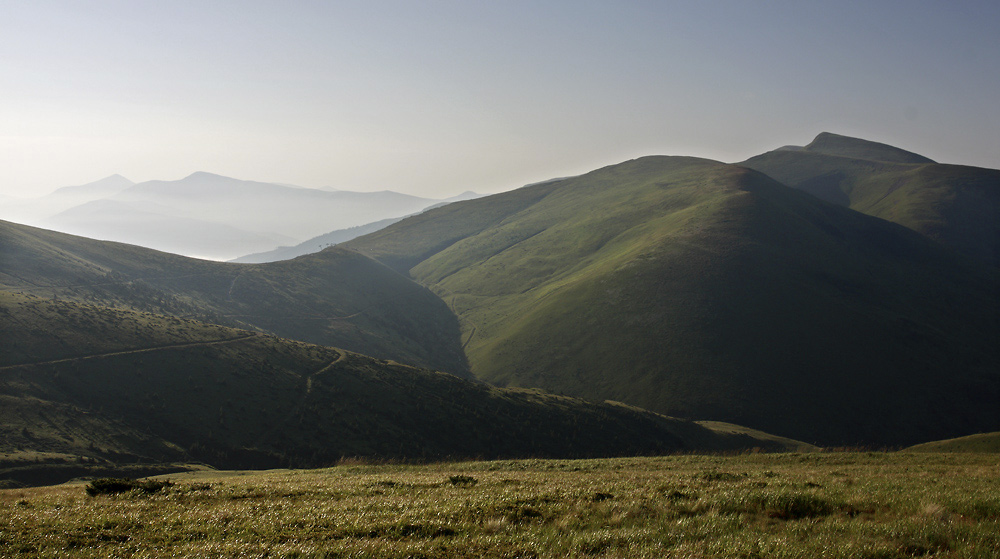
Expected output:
{"points": [[835, 506], [405, 244], [335, 298], [706, 290], [116, 385], [955, 205]]}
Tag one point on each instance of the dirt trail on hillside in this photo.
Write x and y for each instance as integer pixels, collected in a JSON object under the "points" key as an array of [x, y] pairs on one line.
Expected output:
{"points": [[302, 401], [309, 379], [34, 286], [130, 352]]}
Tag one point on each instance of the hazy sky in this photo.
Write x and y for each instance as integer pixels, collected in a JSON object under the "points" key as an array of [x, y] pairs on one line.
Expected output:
{"points": [[433, 98]]}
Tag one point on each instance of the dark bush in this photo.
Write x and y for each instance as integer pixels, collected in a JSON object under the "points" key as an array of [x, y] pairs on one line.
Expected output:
{"points": [[114, 486], [794, 506], [463, 480]]}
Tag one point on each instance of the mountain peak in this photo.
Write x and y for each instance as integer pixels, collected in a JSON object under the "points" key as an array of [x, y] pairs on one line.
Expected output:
{"points": [[204, 175], [846, 146], [104, 187]]}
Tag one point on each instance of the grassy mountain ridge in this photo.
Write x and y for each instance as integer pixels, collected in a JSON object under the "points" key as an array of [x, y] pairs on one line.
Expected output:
{"points": [[337, 297], [405, 244], [706, 290], [956, 205], [106, 384], [325, 240]]}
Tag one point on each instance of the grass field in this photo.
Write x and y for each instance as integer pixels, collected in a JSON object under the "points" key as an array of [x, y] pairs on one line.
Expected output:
{"points": [[755, 505]]}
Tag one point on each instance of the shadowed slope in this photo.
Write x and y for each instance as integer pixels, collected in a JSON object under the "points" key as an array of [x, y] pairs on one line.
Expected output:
{"points": [[125, 386], [337, 297], [706, 290], [980, 442], [956, 205]]}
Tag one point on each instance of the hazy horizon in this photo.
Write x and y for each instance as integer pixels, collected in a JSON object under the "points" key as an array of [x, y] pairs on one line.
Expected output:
{"points": [[439, 98]]}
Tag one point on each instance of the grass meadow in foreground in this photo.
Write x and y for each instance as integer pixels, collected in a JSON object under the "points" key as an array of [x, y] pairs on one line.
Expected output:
{"points": [[787, 505]]}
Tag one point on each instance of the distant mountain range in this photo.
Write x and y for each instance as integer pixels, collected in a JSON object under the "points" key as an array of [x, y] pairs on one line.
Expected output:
{"points": [[156, 226], [33, 210], [845, 292], [104, 188], [208, 216]]}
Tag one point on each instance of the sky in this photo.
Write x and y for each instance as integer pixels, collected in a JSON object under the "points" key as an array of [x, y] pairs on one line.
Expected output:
{"points": [[433, 98]]}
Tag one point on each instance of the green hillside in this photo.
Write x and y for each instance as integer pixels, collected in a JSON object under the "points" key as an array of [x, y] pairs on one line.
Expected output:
{"points": [[981, 442], [96, 385], [710, 291], [955, 205], [335, 298], [407, 243]]}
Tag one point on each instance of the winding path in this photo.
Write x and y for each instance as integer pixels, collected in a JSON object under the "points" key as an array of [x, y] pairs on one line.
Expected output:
{"points": [[302, 401], [130, 352]]}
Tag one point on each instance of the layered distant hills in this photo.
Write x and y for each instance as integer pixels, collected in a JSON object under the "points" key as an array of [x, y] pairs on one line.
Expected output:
{"points": [[841, 293], [206, 215]]}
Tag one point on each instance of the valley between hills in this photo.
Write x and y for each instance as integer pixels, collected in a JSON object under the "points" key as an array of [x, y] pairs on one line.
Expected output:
{"points": [[843, 293]]}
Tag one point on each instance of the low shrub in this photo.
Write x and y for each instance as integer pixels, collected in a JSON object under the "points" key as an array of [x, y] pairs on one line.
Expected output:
{"points": [[463, 480], [783, 506], [114, 486]]}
